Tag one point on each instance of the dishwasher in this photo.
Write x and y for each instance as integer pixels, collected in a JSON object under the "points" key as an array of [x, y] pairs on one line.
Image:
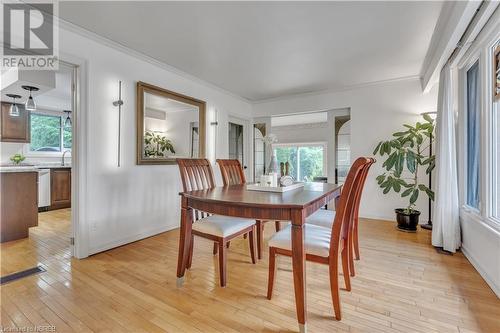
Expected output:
{"points": [[43, 188]]}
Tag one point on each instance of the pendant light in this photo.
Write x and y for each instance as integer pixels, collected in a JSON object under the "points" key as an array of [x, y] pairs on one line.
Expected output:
{"points": [[14, 109], [30, 102], [67, 122]]}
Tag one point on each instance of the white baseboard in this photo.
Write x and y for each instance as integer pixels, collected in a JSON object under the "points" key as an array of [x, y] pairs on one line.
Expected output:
{"points": [[491, 282], [130, 239]]}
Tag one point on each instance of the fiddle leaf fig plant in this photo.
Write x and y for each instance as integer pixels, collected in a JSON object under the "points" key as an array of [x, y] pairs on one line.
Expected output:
{"points": [[156, 145], [404, 158]]}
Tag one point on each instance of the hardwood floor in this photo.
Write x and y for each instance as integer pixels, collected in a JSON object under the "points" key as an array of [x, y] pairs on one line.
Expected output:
{"points": [[402, 285]]}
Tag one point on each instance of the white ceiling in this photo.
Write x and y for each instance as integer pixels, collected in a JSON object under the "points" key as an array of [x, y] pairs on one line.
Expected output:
{"points": [[55, 88], [263, 50]]}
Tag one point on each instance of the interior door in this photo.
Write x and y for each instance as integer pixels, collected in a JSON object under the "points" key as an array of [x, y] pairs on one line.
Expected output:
{"points": [[239, 144]]}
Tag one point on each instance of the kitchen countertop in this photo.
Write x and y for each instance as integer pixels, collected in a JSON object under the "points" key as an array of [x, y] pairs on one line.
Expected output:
{"points": [[32, 168]]}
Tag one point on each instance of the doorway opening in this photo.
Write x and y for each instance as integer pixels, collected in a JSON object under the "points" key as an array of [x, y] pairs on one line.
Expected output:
{"points": [[236, 142], [342, 147], [46, 152]]}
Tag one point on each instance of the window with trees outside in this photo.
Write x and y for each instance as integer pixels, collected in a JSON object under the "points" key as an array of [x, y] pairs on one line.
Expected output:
{"points": [[48, 133], [306, 161]]}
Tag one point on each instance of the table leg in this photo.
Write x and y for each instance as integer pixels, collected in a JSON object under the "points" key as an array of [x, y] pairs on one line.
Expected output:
{"points": [[299, 267], [184, 243]]}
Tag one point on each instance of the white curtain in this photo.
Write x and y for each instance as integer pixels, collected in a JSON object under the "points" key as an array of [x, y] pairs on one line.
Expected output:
{"points": [[446, 224]]}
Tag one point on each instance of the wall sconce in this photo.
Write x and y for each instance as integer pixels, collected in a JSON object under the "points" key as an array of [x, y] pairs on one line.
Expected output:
{"points": [[14, 109], [119, 104]]}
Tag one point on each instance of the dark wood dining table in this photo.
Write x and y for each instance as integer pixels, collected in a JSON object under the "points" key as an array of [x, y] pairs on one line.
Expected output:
{"points": [[237, 201]]}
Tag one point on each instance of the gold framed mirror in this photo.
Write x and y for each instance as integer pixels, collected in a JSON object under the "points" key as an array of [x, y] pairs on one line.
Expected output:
{"points": [[169, 125]]}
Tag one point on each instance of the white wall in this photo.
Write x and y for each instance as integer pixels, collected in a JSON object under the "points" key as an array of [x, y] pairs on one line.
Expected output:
{"points": [[131, 202], [376, 112]]}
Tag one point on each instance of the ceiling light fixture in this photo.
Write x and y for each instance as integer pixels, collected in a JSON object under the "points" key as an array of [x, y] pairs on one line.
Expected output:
{"points": [[14, 109], [30, 102], [67, 122]]}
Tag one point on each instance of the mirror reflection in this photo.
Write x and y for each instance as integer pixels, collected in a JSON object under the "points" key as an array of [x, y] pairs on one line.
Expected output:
{"points": [[170, 126]]}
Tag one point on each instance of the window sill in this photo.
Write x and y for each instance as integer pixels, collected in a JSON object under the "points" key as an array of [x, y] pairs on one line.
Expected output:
{"points": [[467, 215]]}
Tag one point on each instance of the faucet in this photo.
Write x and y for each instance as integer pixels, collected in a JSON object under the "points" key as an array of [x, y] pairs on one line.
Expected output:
{"points": [[64, 154]]}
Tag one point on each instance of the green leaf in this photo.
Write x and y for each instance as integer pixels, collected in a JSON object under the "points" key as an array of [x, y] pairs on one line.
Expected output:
{"points": [[428, 118], [414, 196], [389, 163], [399, 134], [377, 148], [396, 186], [407, 192], [420, 138], [410, 161]]}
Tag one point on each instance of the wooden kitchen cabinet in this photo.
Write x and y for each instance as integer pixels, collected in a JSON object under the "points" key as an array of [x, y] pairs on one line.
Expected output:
{"points": [[14, 129], [18, 204], [60, 188]]}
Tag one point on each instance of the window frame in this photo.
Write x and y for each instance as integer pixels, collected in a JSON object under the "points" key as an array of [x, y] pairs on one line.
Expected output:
{"points": [[307, 144], [482, 51], [27, 148]]}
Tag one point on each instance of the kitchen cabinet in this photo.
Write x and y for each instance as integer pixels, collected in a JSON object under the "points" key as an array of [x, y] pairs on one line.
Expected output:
{"points": [[60, 188], [18, 202], [14, 129]]}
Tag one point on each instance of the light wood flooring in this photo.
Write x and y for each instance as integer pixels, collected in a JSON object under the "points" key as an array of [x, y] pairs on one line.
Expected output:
{"points": [[402, 285]]}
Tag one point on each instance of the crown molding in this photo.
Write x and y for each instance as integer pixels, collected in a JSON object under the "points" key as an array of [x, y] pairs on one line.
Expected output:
{"points": [[338, 90], [65, 25]]}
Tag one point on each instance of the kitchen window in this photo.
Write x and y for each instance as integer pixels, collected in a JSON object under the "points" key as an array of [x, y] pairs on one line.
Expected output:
{"points": [[307, 161], [48, 134]]}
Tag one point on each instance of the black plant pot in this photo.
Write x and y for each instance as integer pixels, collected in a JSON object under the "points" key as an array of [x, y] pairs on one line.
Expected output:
{"points": [[407, 222]]}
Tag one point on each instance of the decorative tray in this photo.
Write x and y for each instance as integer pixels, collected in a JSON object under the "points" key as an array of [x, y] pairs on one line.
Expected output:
{"points": [[279, 189]]}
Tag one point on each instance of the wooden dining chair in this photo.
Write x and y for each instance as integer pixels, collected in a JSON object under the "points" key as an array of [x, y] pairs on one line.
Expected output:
{"points": [[197, 174], [233, 174], [325, 218], [323, 245]]}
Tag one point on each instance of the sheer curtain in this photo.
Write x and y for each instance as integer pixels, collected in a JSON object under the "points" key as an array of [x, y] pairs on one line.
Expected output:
{"points": [[446, 224]]}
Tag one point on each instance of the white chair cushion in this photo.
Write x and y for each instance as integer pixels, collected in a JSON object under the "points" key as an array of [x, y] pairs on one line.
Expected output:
{"points": [[221, 226], [323, 218], [317, 240]]}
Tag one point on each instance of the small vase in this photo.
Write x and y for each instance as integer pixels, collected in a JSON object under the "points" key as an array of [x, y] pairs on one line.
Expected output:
{"points": [[273, 165]]}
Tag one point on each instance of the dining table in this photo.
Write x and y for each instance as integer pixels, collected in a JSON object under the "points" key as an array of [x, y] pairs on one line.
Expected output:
{"points": [[238, 201]]}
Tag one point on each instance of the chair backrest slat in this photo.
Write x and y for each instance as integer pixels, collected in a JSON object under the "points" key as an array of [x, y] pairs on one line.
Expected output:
{"points": [[196, 174], [231, 171], [345, 209], [359, 193]]}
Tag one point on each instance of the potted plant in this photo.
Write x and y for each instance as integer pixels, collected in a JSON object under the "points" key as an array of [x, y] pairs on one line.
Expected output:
{"points": [[403, 160], [17, 158], [156, 145]]}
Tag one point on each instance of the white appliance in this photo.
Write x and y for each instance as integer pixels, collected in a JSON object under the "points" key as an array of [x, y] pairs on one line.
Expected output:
{"points": [[43, 187]]}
